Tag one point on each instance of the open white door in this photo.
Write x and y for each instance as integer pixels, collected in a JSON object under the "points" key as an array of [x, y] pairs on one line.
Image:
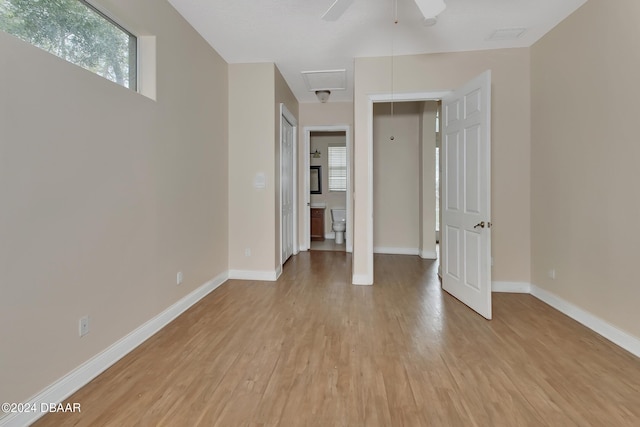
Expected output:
{"points": [[466, 194]]}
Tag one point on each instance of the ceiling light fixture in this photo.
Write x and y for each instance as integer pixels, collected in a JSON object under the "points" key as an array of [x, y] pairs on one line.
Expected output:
{"points": [[431, 8], [428, 8], [323, 95], [430, 22]]}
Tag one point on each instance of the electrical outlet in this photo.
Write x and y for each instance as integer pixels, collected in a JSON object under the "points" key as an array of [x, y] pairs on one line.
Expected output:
{"points": [[179, 278], [552, 274], [83, 324], [247, 252]]}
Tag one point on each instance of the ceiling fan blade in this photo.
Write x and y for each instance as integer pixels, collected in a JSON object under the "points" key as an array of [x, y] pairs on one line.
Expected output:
{"points": [[336, 10], [431, 8]]}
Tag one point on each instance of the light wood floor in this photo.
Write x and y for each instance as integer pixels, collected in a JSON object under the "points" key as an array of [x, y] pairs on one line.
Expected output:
{"points": [[313, 350], [327, 245]]}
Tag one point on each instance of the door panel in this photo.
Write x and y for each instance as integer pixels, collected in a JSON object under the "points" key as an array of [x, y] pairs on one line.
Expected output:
{"points": [[452, 193], [466, 215], [452, 235], [472, 164], [472, 247]]}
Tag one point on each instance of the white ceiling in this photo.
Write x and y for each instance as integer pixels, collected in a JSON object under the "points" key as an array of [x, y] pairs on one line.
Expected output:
{"points": [[291, 33]]}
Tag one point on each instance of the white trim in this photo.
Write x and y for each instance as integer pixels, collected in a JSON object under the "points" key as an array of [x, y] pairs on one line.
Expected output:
{"points": [[330, 235], [511, 287], [306, 201], [395, 251], [348, 235], [409, 96], [83, 374], [286, 114], [596, 324], [294, 178], [268, 276], [278, 272], [428, 255], [369, 213], [361, 279]]}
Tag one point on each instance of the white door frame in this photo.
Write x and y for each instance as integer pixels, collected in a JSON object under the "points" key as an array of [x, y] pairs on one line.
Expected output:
{"points": [[306, 202], [286, 115], [375, 98]]}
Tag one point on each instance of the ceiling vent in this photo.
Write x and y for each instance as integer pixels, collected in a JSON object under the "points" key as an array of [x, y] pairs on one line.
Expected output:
{"points": [[325, 80], [507, 34]]}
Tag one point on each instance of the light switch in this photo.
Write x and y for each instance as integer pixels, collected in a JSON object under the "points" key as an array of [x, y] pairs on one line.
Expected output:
{"points": [[260, 181]]}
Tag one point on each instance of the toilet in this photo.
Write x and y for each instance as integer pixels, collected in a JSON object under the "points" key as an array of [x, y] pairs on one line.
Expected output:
{"points": [[339, 224]]}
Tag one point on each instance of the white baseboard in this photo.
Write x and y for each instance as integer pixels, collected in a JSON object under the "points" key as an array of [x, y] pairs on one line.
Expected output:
{"points": [[428, 255], [278, 271], [83, 374], [266, 276], [395, 251], [362, 279], [331, 235], [596, 324], [511, 287]]}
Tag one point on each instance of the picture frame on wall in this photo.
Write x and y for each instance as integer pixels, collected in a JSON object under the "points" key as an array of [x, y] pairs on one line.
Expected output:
{"points": [[315, 181]]}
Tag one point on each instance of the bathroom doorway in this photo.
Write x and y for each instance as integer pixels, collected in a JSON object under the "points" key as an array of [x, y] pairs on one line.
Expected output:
{"points": [[328, 185]]}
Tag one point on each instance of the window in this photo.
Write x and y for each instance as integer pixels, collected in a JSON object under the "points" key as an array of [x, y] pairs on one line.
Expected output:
{"points": [[77, 32], [337, 168]]}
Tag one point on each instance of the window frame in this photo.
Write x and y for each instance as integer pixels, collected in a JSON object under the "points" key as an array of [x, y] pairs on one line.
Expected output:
{"points": [[127, 56], [133, 47], [331, 170]]}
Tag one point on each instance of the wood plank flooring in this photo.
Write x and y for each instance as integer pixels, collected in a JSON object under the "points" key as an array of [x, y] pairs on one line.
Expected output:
{"points": [[313, 350]]}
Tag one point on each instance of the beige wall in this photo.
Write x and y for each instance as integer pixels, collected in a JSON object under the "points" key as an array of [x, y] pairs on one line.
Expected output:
{"points": [[427, 180], [510, 142], [396, 177], [333, 199], [584, 161], [251, 151], [255, 93], [328, 114], [318, 114], [106, 195]]}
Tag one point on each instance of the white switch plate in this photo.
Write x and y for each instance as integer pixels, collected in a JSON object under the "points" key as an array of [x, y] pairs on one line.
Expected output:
{"points": [[260, 181], [179, 278], [84, 326]]}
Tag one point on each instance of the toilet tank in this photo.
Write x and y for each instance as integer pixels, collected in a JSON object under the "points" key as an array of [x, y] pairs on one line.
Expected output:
{"points": [[339, 215]]}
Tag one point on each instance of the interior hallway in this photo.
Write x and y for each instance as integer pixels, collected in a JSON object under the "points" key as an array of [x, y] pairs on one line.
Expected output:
{"points": [[313, 350]]}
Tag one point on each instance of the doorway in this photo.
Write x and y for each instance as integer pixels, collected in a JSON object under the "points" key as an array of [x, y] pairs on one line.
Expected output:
{"points": [[328, 152], [404, 175], [466, 192]]}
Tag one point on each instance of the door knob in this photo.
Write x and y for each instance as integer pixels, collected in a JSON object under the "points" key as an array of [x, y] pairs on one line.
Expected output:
{"points": [[481, 225]]}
